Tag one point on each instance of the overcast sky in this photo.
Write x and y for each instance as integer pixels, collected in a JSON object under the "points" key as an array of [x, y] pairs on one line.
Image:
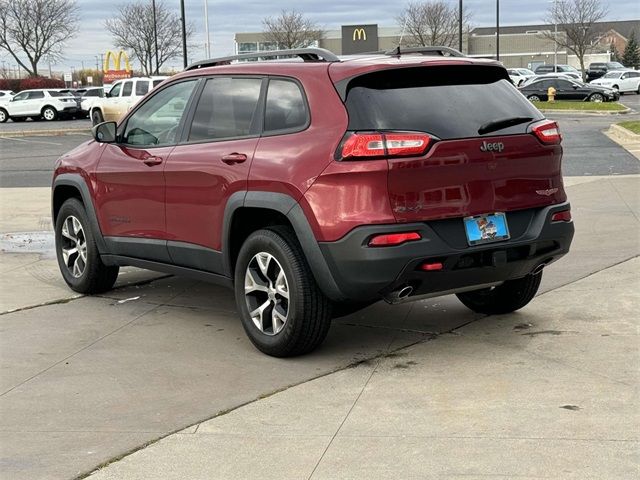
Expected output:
{"points": [[228, 17]]}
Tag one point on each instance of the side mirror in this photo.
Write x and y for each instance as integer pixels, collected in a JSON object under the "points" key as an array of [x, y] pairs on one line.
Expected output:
{"points": [[104, 132]]}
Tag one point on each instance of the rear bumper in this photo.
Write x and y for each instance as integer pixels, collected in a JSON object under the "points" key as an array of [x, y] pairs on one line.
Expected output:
{"points": [[363, 273]]}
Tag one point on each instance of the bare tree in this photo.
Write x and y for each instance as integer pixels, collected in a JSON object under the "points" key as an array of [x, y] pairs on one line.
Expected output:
{"points": [[291, 29], [432, 23], [132, 29], [35, 29], [576, 19]]}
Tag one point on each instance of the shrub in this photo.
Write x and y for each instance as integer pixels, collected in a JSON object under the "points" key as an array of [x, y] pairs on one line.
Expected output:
{"points": [[12, 84], [40, 82]]}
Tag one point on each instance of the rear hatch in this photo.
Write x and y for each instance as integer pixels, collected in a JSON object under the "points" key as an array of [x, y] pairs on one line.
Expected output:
{"points": [[460, 140]]}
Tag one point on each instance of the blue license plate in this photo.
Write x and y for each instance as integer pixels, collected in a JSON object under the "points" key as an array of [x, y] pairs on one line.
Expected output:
{"points": [[488, 228]]}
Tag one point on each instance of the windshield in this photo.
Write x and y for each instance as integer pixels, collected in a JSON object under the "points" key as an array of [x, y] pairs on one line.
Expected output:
{"points": [[613, 75], [525, 71], [615, 65], [569, 68], [53, 93]]}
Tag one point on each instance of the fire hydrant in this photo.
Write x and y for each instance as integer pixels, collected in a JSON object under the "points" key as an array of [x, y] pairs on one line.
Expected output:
{"points": [[551, 94]]}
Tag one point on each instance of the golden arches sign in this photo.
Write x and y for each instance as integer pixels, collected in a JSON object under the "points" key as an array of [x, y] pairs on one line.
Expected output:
{"points": [[359, 34], [117, 58]]}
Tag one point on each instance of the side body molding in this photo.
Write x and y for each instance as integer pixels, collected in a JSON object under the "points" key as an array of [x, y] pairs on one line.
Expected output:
{"points": [[286, 205]]}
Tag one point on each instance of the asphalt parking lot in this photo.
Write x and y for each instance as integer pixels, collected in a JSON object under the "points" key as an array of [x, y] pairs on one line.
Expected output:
{"points": [[549, 392]]}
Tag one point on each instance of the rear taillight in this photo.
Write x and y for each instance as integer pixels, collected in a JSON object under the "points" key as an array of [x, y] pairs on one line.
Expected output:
{"points": [[393, 144], [391, 239], [563, 216], [547, 132]]}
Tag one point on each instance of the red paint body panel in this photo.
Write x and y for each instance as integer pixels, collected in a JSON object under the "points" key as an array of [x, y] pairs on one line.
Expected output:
{"points": [[129, 194], [199, 184], [457, 179]]}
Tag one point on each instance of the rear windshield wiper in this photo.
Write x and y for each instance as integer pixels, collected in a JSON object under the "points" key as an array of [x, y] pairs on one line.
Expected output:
{"points": [[502, 123]]}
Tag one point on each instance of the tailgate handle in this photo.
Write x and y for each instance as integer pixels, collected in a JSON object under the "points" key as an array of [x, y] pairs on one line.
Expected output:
{"points": [[151, 161], [232, 158]]}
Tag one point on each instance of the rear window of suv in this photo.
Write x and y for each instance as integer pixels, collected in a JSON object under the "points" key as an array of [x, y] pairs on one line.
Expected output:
{"points": [[447, 102]]}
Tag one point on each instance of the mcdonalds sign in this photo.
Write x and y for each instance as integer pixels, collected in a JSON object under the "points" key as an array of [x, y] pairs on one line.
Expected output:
{"points": [[116, 73]]}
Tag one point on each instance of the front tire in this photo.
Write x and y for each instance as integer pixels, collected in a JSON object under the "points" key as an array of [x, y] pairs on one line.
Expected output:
{"points": [[77, 252], [283, 311], [596, 98], [533, 98], [96, 117], [512, 295], [4, 116]]}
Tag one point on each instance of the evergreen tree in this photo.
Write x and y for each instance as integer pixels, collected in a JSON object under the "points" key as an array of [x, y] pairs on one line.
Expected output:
{"points": [[615, 54], [631, 55]]}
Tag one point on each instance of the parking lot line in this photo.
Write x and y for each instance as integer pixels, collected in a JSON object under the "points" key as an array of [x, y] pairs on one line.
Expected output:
{"points": [[29, 141]]}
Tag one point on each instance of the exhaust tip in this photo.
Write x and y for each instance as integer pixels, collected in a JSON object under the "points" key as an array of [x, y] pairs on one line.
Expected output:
{"points": [[538, 269], [405, 291]]}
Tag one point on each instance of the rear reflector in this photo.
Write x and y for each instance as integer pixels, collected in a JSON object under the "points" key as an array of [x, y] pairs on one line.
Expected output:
{"points": [[547, 132], [563, 216], [431, 267], [363, 145], [387, 240]]}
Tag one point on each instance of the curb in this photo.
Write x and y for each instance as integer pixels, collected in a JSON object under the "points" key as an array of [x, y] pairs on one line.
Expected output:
{"points": [[589, 112], [41, 133], [624, 134]]}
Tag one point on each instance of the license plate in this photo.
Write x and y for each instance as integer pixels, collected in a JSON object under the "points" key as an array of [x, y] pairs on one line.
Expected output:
{"points": [[488, 228]]}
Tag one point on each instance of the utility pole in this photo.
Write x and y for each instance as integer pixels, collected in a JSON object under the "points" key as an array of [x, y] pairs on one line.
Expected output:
{"points": [[497, 29], [184, 34], [460, 26], [155, 35], [555, 35], [207, 46]]}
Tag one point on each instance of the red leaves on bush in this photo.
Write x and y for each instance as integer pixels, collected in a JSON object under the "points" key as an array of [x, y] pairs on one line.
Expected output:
{"points": [[40, 82]]}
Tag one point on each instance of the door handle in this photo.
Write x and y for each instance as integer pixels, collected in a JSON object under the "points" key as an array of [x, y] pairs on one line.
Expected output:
{"points": [[151, 161], [232, 158]]}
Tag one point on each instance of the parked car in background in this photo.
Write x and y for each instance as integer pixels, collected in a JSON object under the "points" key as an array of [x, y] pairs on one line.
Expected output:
{"points": [[121, 97], [568, 90], [519, 75], [88, 98], [599, 69], [625, 81], [6, 94], [567, 75], [39, 103], [560, 68]]}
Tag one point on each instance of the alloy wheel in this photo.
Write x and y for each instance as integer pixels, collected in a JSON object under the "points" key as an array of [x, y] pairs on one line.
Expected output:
{"points": [[266, 291], [74, 246], [596, 98], [48, 114]]}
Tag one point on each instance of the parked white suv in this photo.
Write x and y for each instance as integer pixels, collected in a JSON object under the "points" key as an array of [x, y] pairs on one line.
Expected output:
{"points": [[88, 98], [123, 95], [47, 104], [625, 81]]}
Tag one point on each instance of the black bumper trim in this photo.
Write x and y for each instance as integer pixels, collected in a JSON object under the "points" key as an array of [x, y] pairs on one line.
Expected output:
{"points": [[364, 274]]}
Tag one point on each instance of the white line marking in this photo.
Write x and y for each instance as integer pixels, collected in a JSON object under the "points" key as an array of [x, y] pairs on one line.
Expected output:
{"points": [[29, 141]]}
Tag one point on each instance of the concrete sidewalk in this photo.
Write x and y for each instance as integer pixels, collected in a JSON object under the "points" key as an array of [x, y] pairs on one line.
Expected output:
{"points": [[550, 392], [86, 380]]}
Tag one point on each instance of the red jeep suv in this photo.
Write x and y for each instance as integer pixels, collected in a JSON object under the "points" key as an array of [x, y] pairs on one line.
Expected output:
{"points": [[316, 185]]}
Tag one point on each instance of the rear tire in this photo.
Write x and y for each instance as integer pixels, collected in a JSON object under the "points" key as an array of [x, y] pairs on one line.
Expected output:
{"points": [[49, 114], [77, 252], [533, 98], [291, 315], [4, 116], [512, 295]]}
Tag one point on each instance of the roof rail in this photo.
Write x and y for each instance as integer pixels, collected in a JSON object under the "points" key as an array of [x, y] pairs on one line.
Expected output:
{"points": [[432, 50], [306, 54]]}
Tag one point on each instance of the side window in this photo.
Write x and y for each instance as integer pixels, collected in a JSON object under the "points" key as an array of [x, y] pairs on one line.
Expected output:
{"points": [[142, 87], [285, 108], [127, 88], [564, 85], [226, 108], [36, 95], [634, 74], [115, 90], [155, 122], [21, 96]]}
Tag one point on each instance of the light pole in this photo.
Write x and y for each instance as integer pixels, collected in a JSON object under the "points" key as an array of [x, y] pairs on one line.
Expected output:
{"points": [[555, 36], [155, 33], [460, 26], [184, 35], [207, 46], [497, 29]]}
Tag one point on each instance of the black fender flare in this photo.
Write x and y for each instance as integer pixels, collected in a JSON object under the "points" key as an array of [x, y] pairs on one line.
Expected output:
{"points": [[77, 181], [286, 205]]}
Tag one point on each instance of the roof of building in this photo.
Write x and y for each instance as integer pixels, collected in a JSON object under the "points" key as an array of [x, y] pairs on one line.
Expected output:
{"points": [[623, 27]]}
